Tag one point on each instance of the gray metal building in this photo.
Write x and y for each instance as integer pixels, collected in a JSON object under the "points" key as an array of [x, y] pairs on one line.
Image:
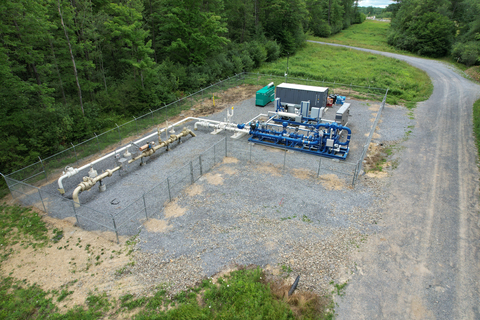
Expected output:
{"points": [[296, 93]]}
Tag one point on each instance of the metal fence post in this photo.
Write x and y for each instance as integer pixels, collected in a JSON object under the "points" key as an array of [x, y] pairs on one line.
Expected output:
{"points": [[119, 136], [43, 203], [168, 186], [191, 172], [8, 185], [250, 152], [74, 151], [200, 160], [284, 158], [136, 124], [226, 153], [319, 166], [75, 212], [153, 120], [145, 206], [43, 167], [115, 227], [98, 143], [214, 154]]}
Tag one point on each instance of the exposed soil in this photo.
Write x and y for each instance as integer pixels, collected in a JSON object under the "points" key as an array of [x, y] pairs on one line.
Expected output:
{"points": [[194, 190], [229, 160], [303, 174], [270, 169], [155, 225], [215, 179], [375, 154], [331, 182], [474, 72], [173, 210], [81, 262]]}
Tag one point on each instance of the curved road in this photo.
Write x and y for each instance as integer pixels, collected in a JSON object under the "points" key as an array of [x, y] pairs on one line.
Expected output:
{"points": [[425, 263]]}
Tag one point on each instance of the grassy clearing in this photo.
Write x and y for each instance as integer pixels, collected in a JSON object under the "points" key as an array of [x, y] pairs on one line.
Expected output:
{"points": [[476, 123], [373, 35], [370, 35], [242, 294], [407, 85]]}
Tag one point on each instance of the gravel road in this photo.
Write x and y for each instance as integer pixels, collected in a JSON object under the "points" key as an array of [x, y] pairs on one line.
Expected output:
{"points": [[425, 263]]}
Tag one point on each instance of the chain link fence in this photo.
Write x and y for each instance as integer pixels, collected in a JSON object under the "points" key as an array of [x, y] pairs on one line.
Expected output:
{"points": [[26, 184]]}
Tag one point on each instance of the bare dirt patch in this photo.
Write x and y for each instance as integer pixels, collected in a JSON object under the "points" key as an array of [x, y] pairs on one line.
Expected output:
{"points": [[268, 168], [302, 174], [70, 263], [154, 225], [374, 135], [375, 155], [229, 171], [194, 190], [229, 160], [215, 179], [331, 182], [173, 210], [376, 174], [374, 107], [223, 99]]}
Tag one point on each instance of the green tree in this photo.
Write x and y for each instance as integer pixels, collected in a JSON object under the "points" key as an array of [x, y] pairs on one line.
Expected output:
{"points": [[188, 34], [423, 27]]}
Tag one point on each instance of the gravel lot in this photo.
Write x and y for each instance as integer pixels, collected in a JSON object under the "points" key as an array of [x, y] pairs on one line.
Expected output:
{"points": [[287, 220]]}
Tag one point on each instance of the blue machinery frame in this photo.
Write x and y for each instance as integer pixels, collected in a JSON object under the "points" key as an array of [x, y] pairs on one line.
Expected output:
{"points": [[321, 139]]}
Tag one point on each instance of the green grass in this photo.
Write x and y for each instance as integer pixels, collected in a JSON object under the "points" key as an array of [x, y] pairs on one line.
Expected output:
{"points": [[370, 35], [242, 294], [373, 35], [19, 224], [406, 84], [476, 123]]}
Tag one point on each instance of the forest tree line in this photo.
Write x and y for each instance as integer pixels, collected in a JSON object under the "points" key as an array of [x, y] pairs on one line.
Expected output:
{"points": [[69, 68], [437, 28]]}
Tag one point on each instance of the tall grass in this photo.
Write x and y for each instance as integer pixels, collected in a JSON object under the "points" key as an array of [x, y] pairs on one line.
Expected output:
{"points": [[406, 84]]}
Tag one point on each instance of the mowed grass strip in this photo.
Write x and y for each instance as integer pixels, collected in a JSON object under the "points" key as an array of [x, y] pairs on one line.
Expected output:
{"points": [[370, 35], [407, 85]]}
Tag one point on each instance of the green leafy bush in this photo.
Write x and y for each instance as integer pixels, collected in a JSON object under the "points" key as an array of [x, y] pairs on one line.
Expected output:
{"points": [[467, 53]]}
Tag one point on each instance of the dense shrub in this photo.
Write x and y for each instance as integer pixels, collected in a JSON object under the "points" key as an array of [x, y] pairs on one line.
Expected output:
{"points": [[430, 34], [467, 53]]}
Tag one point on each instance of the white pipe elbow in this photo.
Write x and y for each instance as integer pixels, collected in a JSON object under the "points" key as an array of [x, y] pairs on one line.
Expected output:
{"points": [[70, 172], [76, 201]]}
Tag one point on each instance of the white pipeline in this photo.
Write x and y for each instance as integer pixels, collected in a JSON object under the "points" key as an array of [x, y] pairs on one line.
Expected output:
{"points": [[89, 182], [70, 172]]}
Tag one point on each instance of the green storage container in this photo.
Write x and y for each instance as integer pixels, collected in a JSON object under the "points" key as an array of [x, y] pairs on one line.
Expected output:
{"points": [[265, 95]]}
